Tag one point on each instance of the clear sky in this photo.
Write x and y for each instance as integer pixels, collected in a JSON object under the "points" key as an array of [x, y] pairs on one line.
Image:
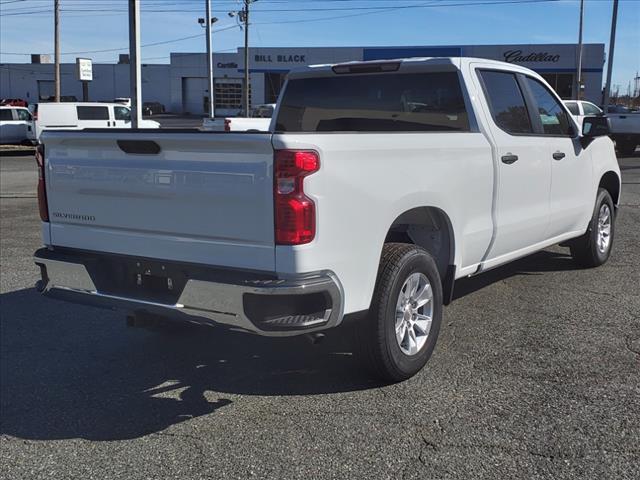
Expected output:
{"points": [[26, 26]]}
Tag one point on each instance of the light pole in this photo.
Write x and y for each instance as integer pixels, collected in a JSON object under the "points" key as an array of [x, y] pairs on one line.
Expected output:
{"points": [[612, 42], [243, 16], [207, 23], [578, 94], [56, 41], [135, 71]]}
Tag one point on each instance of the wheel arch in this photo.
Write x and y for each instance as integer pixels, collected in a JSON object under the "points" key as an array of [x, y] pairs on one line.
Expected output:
{"points": [[431, 228], [610, 181]]}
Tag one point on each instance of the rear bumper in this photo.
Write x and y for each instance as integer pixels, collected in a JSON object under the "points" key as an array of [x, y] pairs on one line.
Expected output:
{"points": [[241, 299]]}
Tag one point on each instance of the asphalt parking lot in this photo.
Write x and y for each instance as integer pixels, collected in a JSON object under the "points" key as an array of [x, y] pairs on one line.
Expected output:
{"points": [[536, 375]]}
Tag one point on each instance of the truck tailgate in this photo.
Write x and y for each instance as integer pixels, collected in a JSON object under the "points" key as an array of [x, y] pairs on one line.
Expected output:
{"points": [[204, 198]]}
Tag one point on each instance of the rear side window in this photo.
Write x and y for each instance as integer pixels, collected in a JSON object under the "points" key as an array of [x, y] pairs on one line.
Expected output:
{"points": [[573, 108], [93, 113], [5, 114], [506, 102], [405, 102], [553, 117]]}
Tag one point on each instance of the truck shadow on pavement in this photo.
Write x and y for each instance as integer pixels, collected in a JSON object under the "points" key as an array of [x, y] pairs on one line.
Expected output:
{"points": [[70, 371]]}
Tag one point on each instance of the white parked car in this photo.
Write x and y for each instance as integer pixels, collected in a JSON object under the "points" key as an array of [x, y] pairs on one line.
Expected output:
{"points": [[258, 121], [624, 126], [83, 115], [581, 108], [16, 125], [380, 184]]}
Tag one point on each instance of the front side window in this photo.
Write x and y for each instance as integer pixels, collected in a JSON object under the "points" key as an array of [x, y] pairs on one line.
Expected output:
{"points": [[381, 102], [506, 102], [23, 115], [122, 113], [93, 113], [573, 108], [590, 109], [553, 117]]}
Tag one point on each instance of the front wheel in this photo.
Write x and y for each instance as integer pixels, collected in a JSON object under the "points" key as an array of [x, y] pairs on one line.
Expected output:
{"points": [[402, 327], [594, 247]]}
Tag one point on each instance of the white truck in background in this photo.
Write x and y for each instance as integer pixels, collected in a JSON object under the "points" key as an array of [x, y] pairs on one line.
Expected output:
{"points": [[258, 121], [379, 185], [624, 126], [83, 115]]}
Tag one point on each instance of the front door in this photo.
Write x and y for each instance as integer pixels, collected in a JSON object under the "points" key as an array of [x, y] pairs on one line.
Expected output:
{"points": [[523, 166], [571, 198]]}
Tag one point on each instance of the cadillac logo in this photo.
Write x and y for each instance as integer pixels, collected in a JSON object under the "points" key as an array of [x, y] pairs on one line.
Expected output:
{"points": [[516, 56]]}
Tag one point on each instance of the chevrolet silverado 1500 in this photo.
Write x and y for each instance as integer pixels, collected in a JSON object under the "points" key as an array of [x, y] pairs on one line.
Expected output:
{"points": [[378, 185]]}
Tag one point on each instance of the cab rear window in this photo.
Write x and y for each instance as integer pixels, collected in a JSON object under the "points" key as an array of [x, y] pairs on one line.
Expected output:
{"points": [[405, 102]]}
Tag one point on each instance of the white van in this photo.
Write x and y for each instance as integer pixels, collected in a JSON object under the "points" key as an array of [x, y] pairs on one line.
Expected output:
{"points": [[79, 116], [16, 125]]}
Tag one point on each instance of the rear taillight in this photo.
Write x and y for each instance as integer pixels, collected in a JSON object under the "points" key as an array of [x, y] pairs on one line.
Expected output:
{"points": [[42, 192], [227, 125], [295, 213]]}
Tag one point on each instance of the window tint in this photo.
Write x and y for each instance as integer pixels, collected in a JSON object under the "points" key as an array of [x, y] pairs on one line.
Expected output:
{"points": [[5, 114], [573, 108], [93, 113], [122, 113], [23, 114], [418, 102], [590, 109], [506, 102], [554, 118]]}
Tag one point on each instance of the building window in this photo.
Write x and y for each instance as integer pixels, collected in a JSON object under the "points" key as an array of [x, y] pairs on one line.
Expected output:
{"points": [[562, 83]]}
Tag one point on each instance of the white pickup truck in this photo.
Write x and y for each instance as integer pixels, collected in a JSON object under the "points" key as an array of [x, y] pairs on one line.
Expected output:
{"points": [[380, 184], [624, 126], [258, 121]]}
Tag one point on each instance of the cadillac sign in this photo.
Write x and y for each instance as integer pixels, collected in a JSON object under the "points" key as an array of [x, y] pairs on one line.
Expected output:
{"points": [[517, 56]]}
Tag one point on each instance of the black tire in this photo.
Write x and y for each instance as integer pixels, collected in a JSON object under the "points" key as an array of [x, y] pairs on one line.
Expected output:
{"points": [[376, 335], [626, 149], [585, 250]]}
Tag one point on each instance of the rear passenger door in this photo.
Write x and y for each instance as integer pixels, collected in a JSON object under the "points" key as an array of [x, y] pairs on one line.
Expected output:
{"points": [[523, 166], [93, 116], [571, 196]]}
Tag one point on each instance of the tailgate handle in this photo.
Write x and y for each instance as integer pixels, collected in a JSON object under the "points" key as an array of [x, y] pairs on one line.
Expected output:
{"points": [[140, 147]]}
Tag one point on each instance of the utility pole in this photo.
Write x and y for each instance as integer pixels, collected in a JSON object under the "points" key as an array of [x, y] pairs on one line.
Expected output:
{"points": [[135, 71], [246, 58], [210, 60], [56, 41], [578, 94], [612, 42]]}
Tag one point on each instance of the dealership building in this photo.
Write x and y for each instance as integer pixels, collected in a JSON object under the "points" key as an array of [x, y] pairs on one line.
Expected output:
{"points": [[182, 87]]}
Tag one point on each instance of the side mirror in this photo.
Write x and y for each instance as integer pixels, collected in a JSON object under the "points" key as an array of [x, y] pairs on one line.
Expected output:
{"points": [[595, 127]]}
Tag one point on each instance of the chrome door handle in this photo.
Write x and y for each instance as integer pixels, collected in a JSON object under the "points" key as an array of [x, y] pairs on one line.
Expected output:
{"points": [[558, 155], [509, 158]]}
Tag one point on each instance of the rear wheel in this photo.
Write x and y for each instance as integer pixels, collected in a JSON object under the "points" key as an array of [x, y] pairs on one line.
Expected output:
{"points": [[402, 327], [594, 247]]}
